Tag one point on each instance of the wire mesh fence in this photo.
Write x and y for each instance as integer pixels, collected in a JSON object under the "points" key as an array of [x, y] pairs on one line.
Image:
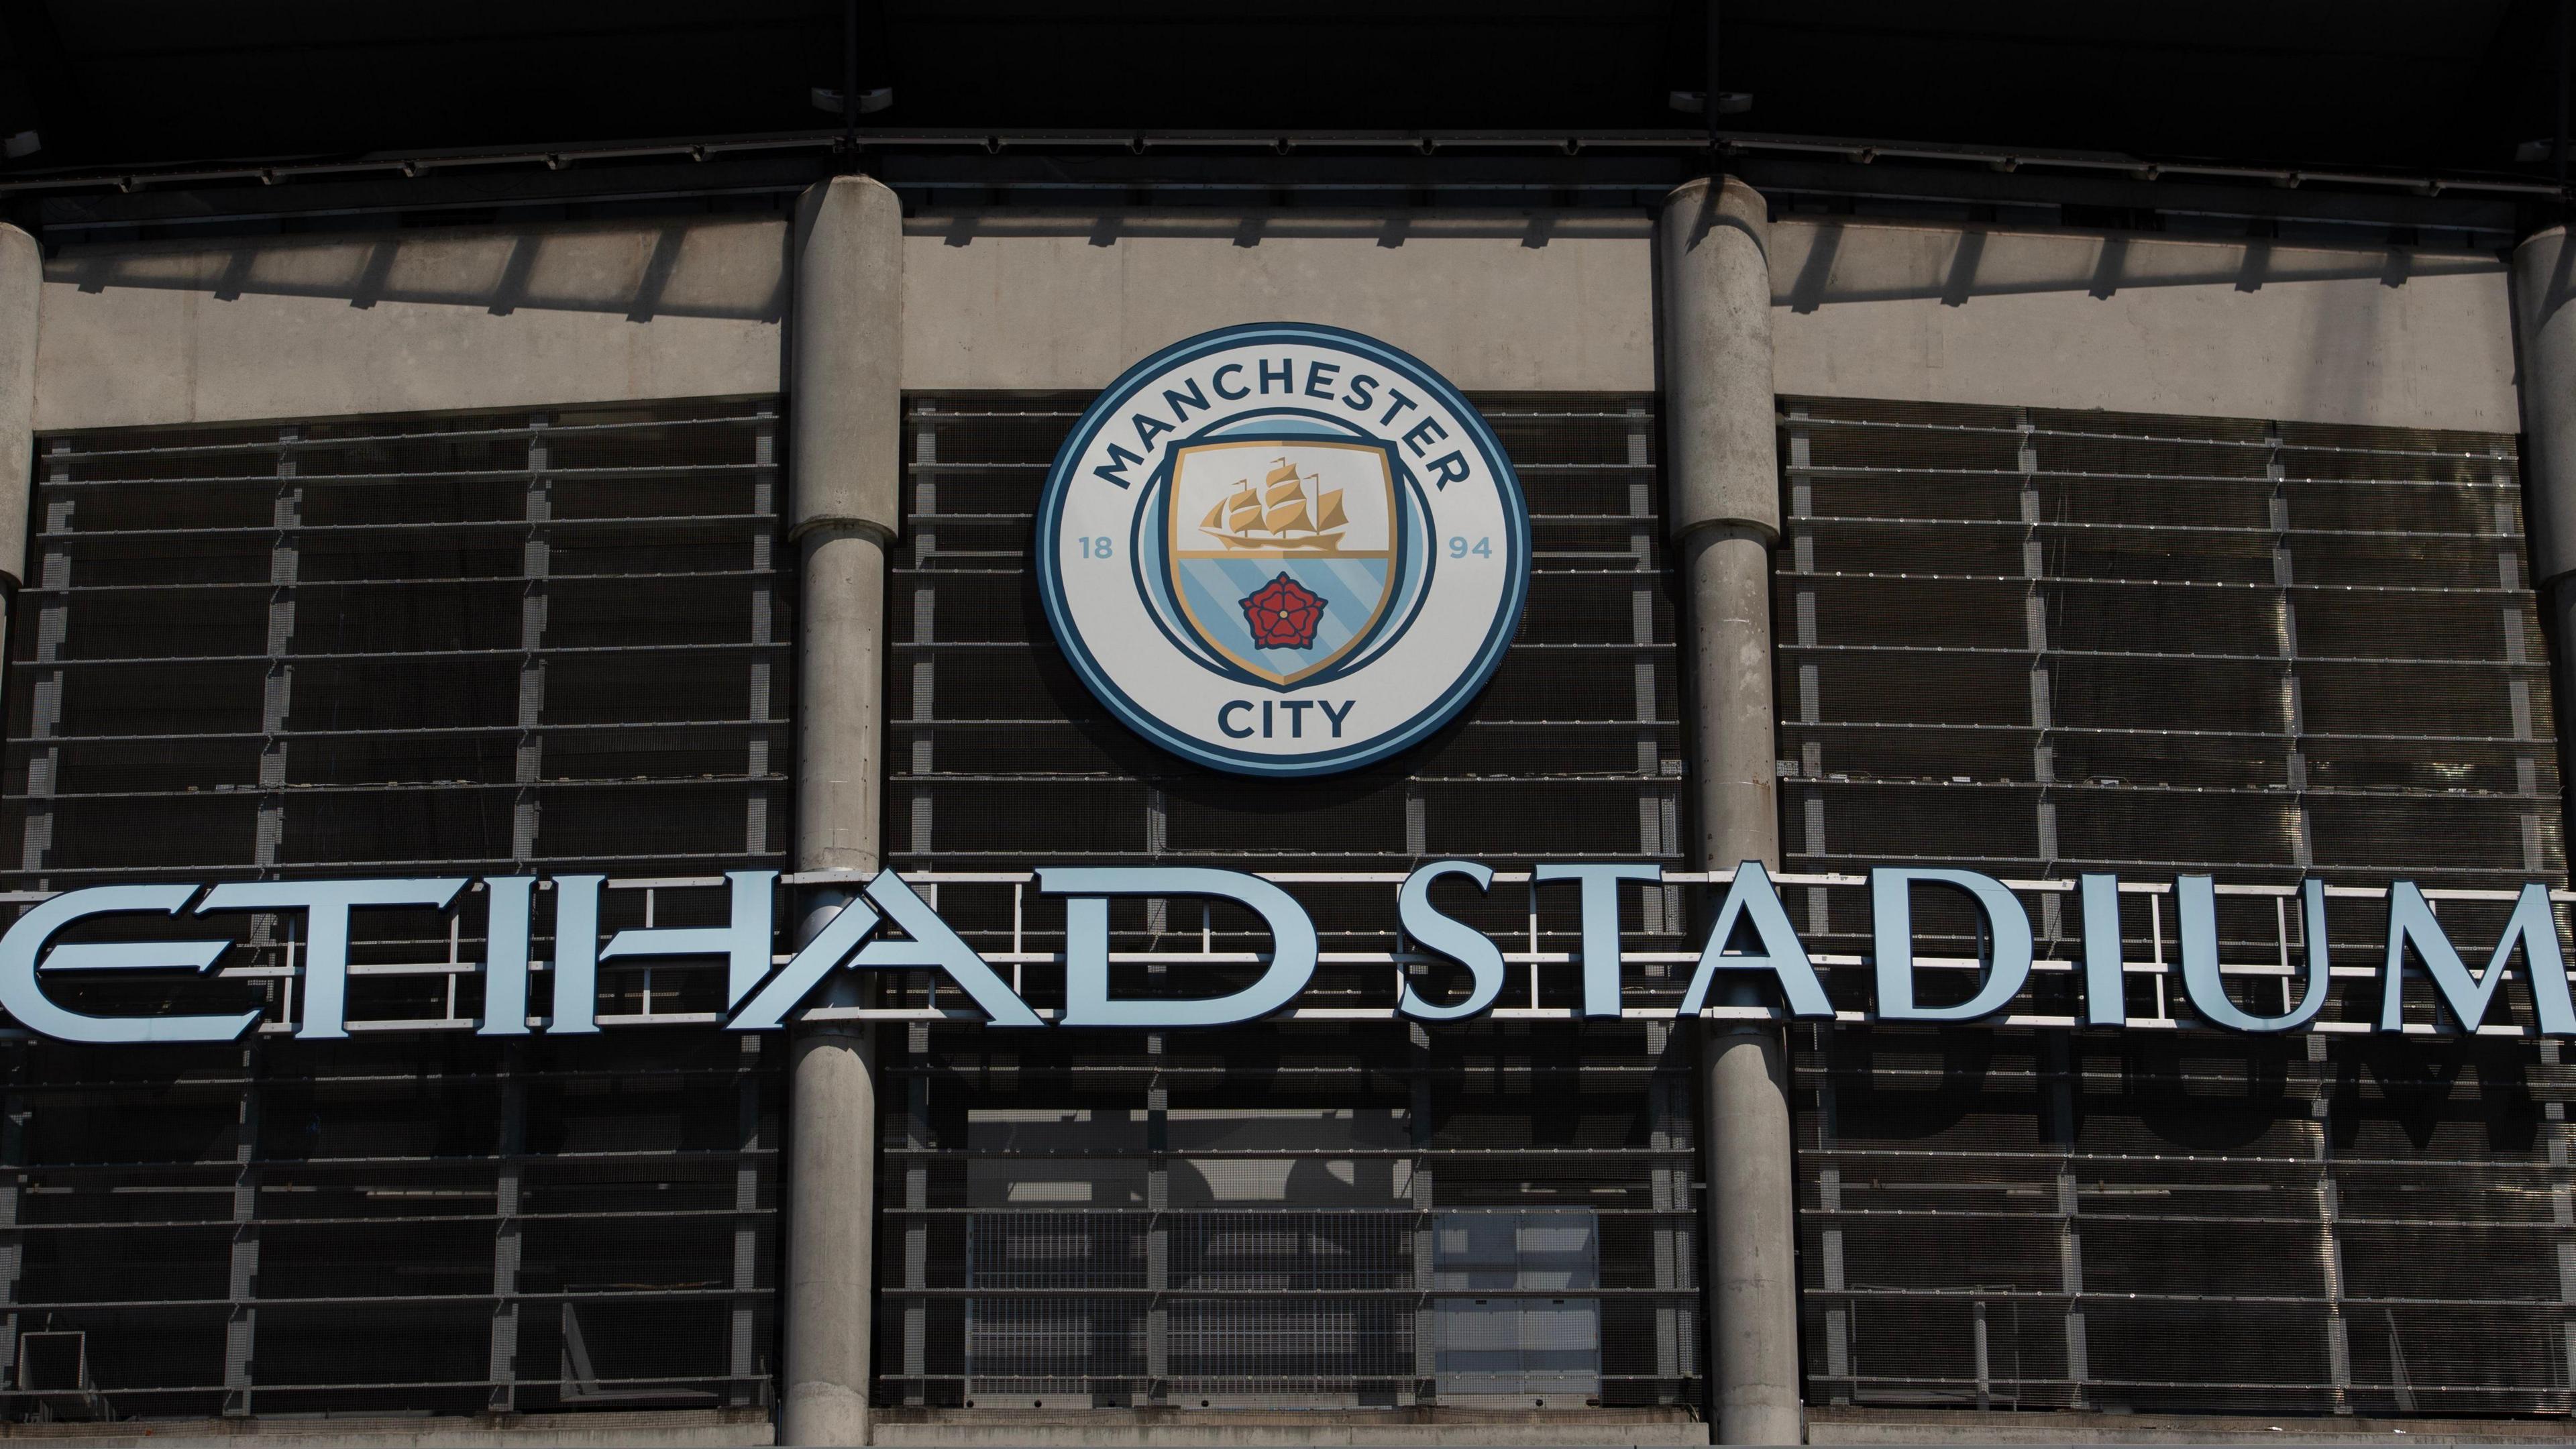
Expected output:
{"points": [[1278, 1217], [2037, 643], [457, 645]]}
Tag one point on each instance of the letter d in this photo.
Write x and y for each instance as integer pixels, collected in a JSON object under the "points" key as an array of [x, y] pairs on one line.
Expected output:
{"points": [[1086, 948]]}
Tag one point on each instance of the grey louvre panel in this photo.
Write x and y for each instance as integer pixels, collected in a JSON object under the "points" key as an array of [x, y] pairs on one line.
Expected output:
{"points": [[440, 643], [2037, 643], [458, 646], [1359, 1214]]}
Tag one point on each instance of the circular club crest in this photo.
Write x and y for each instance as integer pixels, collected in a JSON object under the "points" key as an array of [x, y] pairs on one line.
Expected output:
{"points": [[1283, 549]]}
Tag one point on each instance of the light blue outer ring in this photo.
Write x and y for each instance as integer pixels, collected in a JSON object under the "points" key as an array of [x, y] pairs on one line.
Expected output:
{"points": [[1119, 394]]}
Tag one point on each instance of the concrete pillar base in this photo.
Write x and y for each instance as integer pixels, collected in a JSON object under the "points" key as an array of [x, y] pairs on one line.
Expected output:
{"points": [[595, 1429], [1083, 1428], [1848, 1425], [831, 1237], [813, 1413], [1753, 1235]]}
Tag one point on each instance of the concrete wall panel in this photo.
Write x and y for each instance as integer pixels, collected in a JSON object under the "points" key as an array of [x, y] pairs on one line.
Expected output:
{"points": [[440, 320], [423, 321], [1534, 301], [2232, 328]]}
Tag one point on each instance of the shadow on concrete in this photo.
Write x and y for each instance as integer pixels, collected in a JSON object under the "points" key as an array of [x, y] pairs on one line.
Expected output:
{"points": [[1820, 263], [721, 268]]}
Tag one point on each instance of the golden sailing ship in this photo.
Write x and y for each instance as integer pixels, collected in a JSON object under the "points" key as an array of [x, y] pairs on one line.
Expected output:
{"points": [[1289, 512]]}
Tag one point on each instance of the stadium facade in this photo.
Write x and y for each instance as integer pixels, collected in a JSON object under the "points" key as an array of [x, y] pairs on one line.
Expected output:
{"points": [[2182, 604]]}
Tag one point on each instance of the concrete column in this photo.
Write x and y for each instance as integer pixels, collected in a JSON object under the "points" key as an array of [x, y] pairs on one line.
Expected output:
{"points": [[845, 410], [22, 278], [1723, 465], [2544, 283], [831, 1237]]}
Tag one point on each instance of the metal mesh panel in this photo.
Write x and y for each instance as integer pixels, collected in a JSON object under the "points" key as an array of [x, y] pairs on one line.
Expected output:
{"points": [[1355, 1214], [452, 645], [1282, 1217], [2037, 643]]}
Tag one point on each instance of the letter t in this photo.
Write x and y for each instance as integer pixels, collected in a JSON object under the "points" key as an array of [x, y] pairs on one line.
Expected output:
{"points": [[1600, 955]]}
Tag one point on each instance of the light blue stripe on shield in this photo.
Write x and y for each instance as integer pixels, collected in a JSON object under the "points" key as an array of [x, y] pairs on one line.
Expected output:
{"points": [[1350, 589]]}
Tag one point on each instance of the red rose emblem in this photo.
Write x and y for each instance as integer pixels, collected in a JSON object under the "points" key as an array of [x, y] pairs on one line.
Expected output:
{"points": [[1283, 615]]}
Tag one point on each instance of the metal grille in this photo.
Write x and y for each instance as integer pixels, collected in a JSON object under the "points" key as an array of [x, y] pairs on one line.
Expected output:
{"points": [[1359, 1213], [494, 645], [475, 643], [2037, 643]]}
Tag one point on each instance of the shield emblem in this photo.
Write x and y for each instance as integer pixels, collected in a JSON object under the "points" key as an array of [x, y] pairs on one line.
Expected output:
{"points": [[1282, 549]]}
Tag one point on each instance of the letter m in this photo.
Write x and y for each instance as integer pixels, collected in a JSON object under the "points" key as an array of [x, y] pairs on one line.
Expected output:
{"points": [[2533, 926], [1115, 470]]}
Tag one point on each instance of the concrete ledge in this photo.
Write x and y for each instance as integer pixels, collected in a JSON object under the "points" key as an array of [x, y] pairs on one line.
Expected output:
{"points": [[1041, 1428], [2226, 327], [679, 1428], [1958, 1426], [1523, 301], [432, 320]]}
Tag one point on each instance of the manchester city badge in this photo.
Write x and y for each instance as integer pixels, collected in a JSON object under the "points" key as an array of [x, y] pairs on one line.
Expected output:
{"points": [[1283, 549]]}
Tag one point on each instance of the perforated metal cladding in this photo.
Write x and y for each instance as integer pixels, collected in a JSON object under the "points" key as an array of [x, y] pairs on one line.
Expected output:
{"points": [[1281, 1216], [435, 646], [2039, 643], [466, 643], [2086, 641]]}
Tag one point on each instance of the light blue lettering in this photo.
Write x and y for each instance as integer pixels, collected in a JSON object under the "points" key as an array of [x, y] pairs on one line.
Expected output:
{"points": [[2532, 925], [1087, 1001], [35, 1011], [1447, 936], [743, 940], [505, 958], [2196, 910], [576, 998], [2106, 999], [932, 944], [326, 905], [1600, 954], [2007, 963], [1751, 900]]}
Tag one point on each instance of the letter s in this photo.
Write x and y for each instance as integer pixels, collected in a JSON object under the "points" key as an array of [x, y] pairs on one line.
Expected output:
{"points": [[1450, 937]]}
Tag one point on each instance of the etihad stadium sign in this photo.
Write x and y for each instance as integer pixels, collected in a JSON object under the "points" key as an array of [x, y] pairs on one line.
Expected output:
{"points": [[1752, 963]]}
